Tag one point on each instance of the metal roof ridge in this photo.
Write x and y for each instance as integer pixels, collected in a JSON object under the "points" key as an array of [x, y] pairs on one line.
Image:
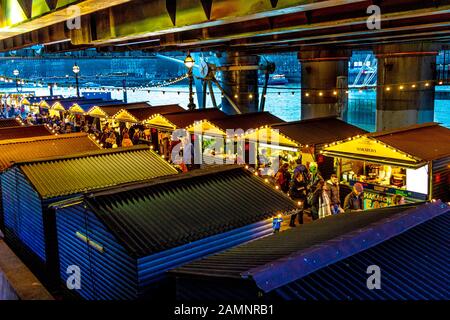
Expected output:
{"points": [[86, 154], [272, 275], [191, 111], [314, 120], [404, 129], [43, 138], [127, 187], [288, 123]]}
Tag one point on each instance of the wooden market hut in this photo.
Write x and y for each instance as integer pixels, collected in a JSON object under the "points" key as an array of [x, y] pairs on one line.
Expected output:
{"points": [[106, 112], [137, 232], [421, 154], [233, 127], [329, 260], [12, 122], [162, 125], [309, 137], [29, 188], [24, 132], [38, 147]]}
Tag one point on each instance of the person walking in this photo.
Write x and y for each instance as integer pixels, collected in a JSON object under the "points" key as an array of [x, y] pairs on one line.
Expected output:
{"points": [[332, 189], [354, 201]]}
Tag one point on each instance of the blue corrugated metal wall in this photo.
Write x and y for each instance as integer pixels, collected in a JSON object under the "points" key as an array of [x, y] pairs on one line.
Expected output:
{"points": [[113, 274], [22, 213], [152, 268], [414, 266], [106, 275]]}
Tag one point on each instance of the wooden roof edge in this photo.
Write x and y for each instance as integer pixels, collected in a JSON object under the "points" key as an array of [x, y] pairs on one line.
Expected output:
{"points": [[86, 154]]}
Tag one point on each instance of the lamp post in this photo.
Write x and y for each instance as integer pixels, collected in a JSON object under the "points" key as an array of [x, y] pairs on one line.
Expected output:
{"points": [[16, 74], [189, 63], [76, 71]]}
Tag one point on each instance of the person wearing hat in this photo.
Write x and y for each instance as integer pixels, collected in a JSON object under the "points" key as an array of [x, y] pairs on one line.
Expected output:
{"points": [[354, 201]]}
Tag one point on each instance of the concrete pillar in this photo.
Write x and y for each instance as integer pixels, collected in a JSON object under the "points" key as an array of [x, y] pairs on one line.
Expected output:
{"points": [[240, 82], [324, 82], [406, 81]]}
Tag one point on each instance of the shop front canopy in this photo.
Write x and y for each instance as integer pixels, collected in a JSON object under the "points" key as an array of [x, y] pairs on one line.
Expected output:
{"points": [[409, 147]]}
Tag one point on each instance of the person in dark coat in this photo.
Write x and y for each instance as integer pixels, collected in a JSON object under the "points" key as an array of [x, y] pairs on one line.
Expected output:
{"points": [[301, 169], [298, 193], [355, 199], [332, 188]]}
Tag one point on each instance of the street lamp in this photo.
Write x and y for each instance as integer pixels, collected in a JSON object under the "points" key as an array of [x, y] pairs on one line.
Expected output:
{"points": [[189, 63], [16, 74], [76, 71]]}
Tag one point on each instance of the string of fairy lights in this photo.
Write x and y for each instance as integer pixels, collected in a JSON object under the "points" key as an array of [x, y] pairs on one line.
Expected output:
{"points": [[305, 92]]}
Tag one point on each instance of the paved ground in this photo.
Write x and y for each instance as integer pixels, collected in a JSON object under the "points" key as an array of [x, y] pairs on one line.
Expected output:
{"points": [[20, 278]]}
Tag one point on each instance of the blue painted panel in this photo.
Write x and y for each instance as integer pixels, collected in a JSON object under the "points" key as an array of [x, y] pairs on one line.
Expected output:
{"points": [[107, 275], [22, 213]]}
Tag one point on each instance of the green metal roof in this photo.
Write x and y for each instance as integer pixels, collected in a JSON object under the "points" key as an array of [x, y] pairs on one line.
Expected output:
{"points": [[62, 176]]}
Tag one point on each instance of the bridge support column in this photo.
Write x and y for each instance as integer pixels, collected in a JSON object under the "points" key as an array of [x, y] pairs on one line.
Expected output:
{"points": [[240, 82], [406, 83], [324, 83]]}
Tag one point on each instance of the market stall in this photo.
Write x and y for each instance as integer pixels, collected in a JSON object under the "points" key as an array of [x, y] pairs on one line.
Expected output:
{"points": [[232, 128], [103, 113], [411, 162], [137, 119], [161, 126], [304, 138]]}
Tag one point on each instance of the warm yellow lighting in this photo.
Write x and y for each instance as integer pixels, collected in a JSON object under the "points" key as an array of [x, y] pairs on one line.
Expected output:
{"points": [[388, 89], [307, 94], [401, 87], [320, 93]]}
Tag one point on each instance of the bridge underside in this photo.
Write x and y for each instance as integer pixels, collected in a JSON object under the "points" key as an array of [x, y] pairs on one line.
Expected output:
{"points": [[252, 26]]}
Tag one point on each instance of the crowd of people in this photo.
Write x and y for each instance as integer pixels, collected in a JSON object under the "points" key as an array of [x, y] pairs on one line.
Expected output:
{"points": [[315, 195], [108, 136]]}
